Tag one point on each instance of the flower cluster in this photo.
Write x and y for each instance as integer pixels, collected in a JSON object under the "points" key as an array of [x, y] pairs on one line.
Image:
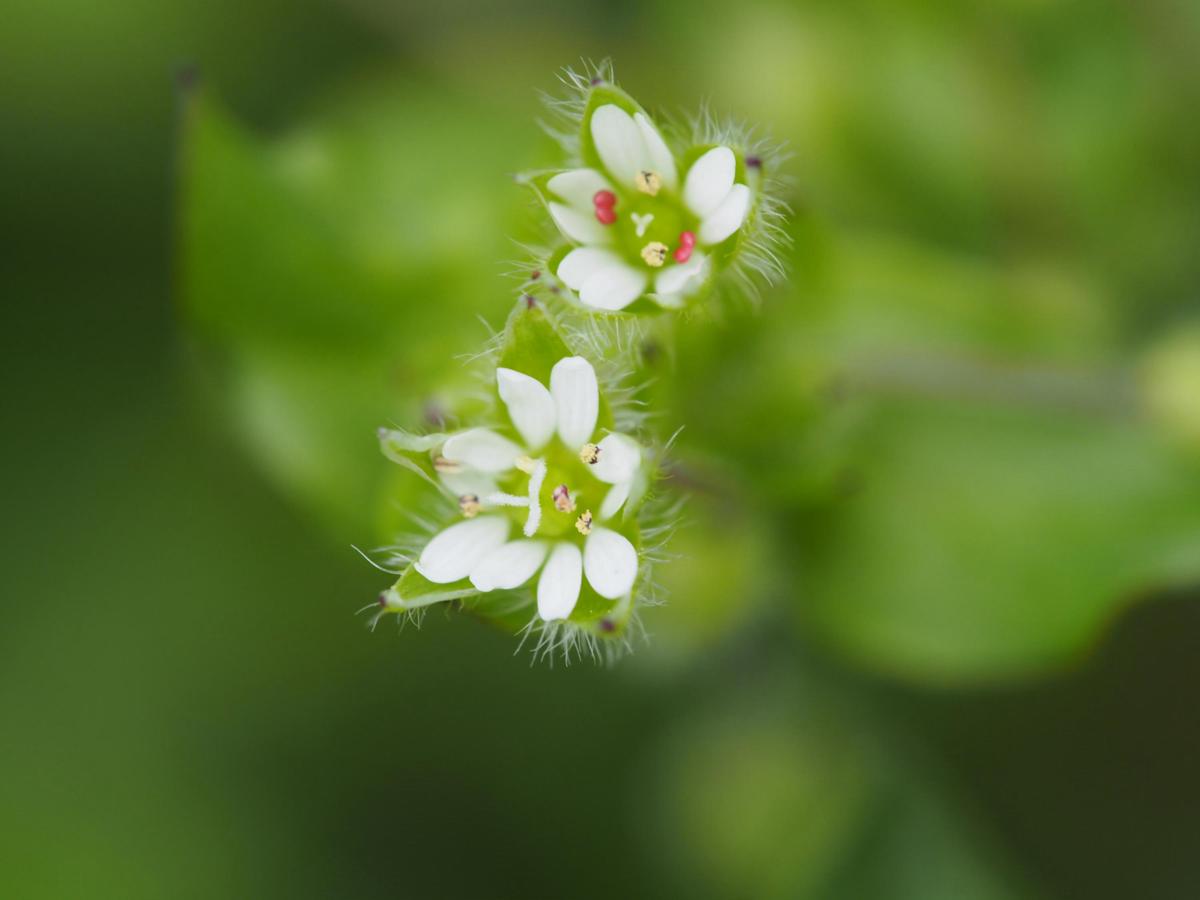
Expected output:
{"points": [[541, 516], [646, 226]]}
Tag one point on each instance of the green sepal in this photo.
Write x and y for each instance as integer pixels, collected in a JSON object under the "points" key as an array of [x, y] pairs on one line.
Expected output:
{"points": [[412, 451], [413, 590]]}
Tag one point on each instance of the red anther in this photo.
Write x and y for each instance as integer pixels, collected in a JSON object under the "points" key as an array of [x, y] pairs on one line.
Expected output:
{"points": [[687, 239], [683, 254], [604, 199], [606, 215]]}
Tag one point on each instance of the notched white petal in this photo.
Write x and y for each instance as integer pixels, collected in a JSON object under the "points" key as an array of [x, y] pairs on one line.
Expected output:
{"points": [[508, 566], [454, 552], [481, 449], [558, 588], [580, 227], [530, 406], [726, 218], [610, 563], [657, 151], [613, 287], [709, 180], [619, 143], [619, 459], [576, 399], [582, 263], [682, 278], [577, 187], [615, 499]]}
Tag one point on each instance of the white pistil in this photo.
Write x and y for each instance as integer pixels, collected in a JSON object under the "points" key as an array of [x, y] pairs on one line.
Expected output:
{"points": [[536, 477], [641, 222]]}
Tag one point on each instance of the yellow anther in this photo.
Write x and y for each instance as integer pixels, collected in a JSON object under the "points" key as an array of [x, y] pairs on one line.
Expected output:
{"points": [[469, 505], [584, 523], [590, 454], [525, 464], [648, 182], [655, 254]]}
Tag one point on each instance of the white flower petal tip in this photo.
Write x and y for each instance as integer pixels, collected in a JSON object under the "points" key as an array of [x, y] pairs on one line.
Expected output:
{"points": [[682, 278], [482, 450], [619, 143], [578, 186], [454, 552], [576, 399], [579, 226], [612, 287], [582, 263], [610, 562], [615, 499], [709, 180], [558, 587], [658, 155], [619, 459], [508, 566], [530, 406], [726, 218]]}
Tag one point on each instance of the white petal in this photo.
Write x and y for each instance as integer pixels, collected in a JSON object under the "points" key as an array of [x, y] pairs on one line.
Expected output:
{"points": [[558, 588], [610, 562], [579, 226], [453, 553], [681, 278], [482, 449], [709, 180], [669, 301], [509, 565], [619, 459], [469, 481], [659, 155], [619, 142], [578, 187], [726, 218], [613, 287], [530, 406], [582, 263], [615, 500], [576, 399]]}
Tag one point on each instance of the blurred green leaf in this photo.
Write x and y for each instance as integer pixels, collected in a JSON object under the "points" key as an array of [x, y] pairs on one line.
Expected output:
{"points": [[985, 541]]}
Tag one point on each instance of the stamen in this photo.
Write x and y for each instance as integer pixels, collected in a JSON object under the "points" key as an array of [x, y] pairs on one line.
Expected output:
{"points": [[648, 182], [469, 505], [590, 454], [687, 243], [641, 222], [446, 466], [655, 254], [584, 523], [562, 499], [605, 203]]}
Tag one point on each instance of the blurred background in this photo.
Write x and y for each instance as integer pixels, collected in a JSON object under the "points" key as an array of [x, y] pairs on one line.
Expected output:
{"points": [[934, 630]]}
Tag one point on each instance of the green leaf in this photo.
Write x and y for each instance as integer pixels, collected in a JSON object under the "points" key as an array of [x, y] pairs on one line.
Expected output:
{"points": [[978, 543]]}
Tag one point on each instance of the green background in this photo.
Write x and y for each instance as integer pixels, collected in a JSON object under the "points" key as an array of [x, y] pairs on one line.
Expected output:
{"points": [[933, 626]]}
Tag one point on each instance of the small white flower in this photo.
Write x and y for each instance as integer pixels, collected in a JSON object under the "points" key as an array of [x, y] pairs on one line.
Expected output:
{"points": [[557, 426], [620, 218]]}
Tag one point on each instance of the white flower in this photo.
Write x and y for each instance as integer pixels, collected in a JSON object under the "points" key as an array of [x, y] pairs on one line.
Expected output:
{"points": [[636, 230], [557, 427]]}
